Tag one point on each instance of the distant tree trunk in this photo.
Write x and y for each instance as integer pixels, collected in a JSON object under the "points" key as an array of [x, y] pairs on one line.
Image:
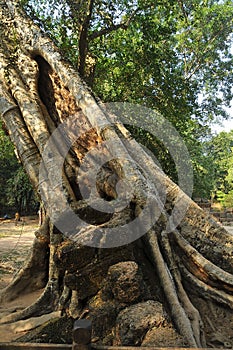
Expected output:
{"points": [[184, 271]]}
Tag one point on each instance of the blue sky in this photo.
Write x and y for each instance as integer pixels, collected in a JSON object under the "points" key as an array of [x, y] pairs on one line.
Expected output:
{"points": [[227, 125]]}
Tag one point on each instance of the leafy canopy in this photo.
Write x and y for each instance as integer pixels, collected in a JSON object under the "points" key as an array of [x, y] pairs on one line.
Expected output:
{"points": [[172, 56], [16, 190], [221, 150]]}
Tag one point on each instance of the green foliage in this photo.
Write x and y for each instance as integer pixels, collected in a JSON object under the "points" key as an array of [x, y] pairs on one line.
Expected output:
{"points": [[229, 199], [8, 164], [164, 55], [20, 193], [220, 148], [16, 191], [225, 199]]}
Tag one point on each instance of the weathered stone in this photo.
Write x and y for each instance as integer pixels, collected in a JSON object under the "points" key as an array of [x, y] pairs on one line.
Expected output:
{"points": [[163, 337], [126, 281], [134, 322], [103, 318]]}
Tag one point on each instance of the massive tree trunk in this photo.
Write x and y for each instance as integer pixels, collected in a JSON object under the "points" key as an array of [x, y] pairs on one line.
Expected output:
{"points": [[126, 289]]}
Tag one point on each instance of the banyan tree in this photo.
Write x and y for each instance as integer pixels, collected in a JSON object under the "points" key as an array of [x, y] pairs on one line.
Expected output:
{"points": [[120, 243]]}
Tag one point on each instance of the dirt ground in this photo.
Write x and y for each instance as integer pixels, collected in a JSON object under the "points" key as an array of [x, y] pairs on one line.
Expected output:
{"points": [[15, 244]]}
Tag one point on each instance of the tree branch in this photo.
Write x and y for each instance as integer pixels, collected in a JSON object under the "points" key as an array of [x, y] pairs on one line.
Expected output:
{"points": [[108, 30], [181, 4], [123, 25], [199, 61], [83, 39]]}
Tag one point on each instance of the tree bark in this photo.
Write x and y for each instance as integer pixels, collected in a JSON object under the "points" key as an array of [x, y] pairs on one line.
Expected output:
{"points": [[174, 270]]}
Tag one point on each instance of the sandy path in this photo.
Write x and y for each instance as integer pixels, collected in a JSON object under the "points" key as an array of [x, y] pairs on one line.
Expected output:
{"points": [[20, 236], [20, 240], [15, 245]]}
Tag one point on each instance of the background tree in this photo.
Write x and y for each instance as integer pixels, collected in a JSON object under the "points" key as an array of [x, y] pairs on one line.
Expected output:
{"points": [[8, 165], [220, 149], [19, 193], [181, 266], [16, 190]]}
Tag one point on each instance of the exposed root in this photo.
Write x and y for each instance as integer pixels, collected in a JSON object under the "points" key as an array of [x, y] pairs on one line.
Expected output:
{"points": [[178, 314], [217, 339], [192, 313], [75, 306], [202, 268], [33, 322], [205, 290], [45, 304], [49, 299], [64, 299]]}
